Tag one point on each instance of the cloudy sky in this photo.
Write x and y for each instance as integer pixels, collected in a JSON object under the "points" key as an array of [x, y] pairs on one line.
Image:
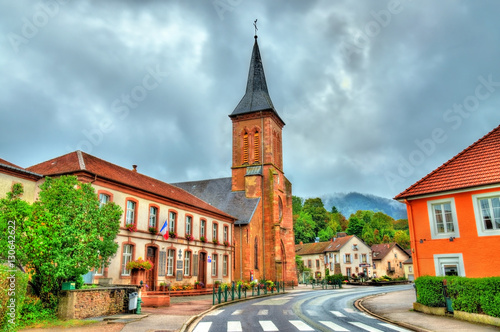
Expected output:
{"points": [[374, 94]]}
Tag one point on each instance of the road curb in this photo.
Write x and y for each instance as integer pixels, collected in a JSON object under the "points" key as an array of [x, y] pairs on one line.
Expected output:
{"points": [[359, 304]]}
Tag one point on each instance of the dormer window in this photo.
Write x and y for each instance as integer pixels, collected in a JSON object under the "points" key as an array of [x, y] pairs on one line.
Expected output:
{"points": [[354, 247]]}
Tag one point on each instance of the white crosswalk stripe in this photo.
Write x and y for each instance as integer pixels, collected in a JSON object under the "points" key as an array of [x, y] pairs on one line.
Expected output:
{"points": [[234, 326], [214, 312], [393, 327], [237, 312], [287, 312], [268, 325], [366, 315], [301, 326], [203, 327], [337, 313], [333, 326], [365, 327], [263, 312], [350, 310]]}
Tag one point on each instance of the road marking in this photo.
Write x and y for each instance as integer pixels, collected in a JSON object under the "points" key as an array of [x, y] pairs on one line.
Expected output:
{"points": [[263, 312], [312, 312], [214, 312], [287, 312], [366, 315], [237, 312], [365, 327], [268, 325], [337, 313], [203, 327], [397, 328], [333, 326], [234, 326], [350, 310], [301, 326]]}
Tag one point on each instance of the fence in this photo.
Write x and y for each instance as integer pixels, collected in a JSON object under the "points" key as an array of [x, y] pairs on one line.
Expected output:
{"points": [[227, 293]]}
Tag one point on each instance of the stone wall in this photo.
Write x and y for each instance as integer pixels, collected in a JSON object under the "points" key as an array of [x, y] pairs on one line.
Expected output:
{"points": [[94, 302]]}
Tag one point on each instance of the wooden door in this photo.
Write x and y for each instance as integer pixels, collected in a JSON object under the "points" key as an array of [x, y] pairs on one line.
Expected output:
{"points": [[151, 274], [202, 269]]}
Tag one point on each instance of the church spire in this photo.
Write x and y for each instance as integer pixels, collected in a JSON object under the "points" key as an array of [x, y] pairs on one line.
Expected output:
{"points": [[256, 96]]}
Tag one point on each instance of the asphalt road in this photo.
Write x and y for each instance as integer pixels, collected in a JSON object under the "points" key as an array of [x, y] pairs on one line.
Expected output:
{"points": [[322, 310]]}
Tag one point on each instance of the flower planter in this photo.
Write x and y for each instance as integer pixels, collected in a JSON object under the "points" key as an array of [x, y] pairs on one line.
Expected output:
{"points": [[136, 275]]}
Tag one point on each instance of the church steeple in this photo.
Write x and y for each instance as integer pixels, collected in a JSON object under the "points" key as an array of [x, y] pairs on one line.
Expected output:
{"points": [[256, 96]]}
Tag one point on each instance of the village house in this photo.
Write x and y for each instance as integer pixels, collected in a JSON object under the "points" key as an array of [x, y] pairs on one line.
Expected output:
{"points": [[388, 259], [346, 254], [234, 228], [454, 213]]}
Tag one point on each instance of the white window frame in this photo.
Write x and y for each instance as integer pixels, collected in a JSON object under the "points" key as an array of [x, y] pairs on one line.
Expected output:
{"points": [[131, 208], [481, 230], [442, 260], [187, 263], [189, 225], [224, 265], [172, 217], [127, 257], [170, 262], [214, 265], [203, 228], [432, 221], [103, 199], [153, 216]]}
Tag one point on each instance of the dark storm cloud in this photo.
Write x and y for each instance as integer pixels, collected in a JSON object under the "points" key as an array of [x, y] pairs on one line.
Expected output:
{"points": [[375, 94]]}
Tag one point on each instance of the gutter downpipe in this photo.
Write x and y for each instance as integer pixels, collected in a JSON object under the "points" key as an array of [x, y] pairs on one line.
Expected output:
{"points": [[241, 254]]}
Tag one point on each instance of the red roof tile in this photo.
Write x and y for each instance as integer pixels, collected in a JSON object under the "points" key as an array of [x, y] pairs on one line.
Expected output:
{"points": [[80, 161], [320, 247], [477, 165], [5, 162]]}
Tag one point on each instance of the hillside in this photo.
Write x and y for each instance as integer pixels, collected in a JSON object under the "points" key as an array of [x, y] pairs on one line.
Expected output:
{"points": [[352, 202]]}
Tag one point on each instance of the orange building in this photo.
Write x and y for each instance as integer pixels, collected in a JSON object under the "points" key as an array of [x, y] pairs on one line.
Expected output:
{"points": [[454, 213]]}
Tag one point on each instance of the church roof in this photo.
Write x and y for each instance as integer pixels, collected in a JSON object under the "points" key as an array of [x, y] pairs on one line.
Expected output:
{"points": [[217, 192], [256, 96], [78, 161]]}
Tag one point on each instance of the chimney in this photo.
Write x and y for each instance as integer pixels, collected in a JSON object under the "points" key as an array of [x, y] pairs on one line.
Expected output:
{"points": [[134, 168]]}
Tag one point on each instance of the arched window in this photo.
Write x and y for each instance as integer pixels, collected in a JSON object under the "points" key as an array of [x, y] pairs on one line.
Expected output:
{"points": [[256, 254], [245, 148], [256, 147]]}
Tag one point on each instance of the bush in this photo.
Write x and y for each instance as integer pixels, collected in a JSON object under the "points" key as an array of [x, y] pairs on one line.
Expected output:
{"points": [[10, 317], [430, 291]]}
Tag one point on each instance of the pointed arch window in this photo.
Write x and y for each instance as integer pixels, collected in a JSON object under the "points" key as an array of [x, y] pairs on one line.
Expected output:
{"points": [[256, 147], [256, 254], [245, 148]]}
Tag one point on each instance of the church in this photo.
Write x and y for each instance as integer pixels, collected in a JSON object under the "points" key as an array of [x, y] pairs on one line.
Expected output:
{"points": [[234, 228]]}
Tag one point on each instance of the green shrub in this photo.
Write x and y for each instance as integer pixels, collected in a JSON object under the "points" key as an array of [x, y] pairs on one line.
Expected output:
{"points": [[10, 316], [465, 293], [430, 291], [490, 296]]}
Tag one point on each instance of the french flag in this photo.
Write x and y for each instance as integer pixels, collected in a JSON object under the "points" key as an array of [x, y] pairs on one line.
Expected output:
{"points": [[164, 230]]}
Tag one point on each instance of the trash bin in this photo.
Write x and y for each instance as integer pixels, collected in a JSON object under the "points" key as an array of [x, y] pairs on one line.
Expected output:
{"points": [[132, 300]]}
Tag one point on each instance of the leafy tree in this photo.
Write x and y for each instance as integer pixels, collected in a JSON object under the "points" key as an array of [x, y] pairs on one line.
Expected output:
{"points": [[355, 226], [402, 238], [63, 235], [334, 210], [400, 224], [297, 203], [338, 219], [326, 234], [315, 208], [304, 228]]}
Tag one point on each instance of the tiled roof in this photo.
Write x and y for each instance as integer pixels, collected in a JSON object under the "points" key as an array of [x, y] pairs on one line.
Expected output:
{"points": [[218, 193], [379, 251], [321, 247], [477, 165], [5, 162], [80, 161]]}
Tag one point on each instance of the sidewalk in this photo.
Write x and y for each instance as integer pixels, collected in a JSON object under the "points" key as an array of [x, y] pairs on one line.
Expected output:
{"points": [[397, 308]]}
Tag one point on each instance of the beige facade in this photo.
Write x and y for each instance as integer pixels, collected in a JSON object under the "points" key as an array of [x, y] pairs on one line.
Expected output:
{"points": [[351, 258], [388, 259]]}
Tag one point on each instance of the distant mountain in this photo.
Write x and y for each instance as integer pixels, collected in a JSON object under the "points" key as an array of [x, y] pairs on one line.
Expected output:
{"points": [[352, 202]]}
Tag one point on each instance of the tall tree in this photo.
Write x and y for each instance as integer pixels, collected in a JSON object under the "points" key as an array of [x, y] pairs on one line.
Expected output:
{"points": [[355, 226], [304, 228], [65, 234], [297, 203], [315, 208]]}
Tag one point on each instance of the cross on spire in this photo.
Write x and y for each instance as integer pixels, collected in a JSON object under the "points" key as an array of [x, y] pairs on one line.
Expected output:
{"points": [[255, 26]]}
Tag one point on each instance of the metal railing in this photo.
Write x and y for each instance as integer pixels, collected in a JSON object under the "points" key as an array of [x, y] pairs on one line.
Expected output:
{"points": [[225, 293]]}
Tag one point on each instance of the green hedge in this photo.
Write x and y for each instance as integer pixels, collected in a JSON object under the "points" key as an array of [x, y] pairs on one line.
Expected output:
{"points": [[430, 291], [473, 295]]}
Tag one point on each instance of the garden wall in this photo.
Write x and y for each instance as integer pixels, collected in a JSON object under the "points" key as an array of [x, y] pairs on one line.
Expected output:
{"points": [[94, 302]]}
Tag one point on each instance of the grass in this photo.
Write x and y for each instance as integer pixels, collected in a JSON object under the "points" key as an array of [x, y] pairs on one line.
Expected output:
{"points": [[51, 323]]}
